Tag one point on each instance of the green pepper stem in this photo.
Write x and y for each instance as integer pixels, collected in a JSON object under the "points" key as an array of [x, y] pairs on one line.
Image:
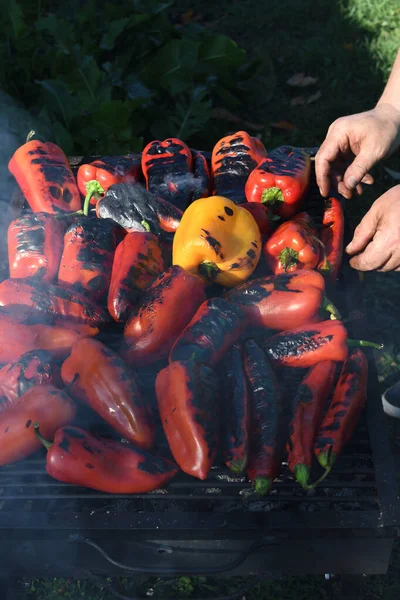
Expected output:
{"points": [[364, 344], [272, 195], [92, 187], [208, 269], [330, 308], [41, 439], [288, 258], [30, 135], [262, 485], [302, 474], [320, 480], [237, 466], [146, 226]]}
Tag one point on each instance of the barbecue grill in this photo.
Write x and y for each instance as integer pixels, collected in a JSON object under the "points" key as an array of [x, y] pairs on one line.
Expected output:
{"points": [[213, 527]]}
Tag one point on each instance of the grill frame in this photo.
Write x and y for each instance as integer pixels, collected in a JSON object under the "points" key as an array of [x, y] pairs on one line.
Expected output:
{"points": [[56, 542]]}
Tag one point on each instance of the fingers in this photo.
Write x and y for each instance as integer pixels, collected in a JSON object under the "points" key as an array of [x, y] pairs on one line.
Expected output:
{"points": [[364, 232], [374, 257], [359, 169], [326, 155]]}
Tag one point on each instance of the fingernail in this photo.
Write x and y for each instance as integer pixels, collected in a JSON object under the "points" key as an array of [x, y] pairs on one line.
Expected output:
{"points": [[351, 182], [349, 247]]}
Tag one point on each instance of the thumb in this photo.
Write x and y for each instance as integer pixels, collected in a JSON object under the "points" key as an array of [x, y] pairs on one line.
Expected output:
{"points": [[359, 168], [364, 232]]}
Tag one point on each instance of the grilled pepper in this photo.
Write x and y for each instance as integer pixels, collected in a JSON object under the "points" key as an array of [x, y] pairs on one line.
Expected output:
{"points": [[233, 159], [217, 240], [235, 424], [215, 327], [307, 345], [51, 299], [32, 368], [283, 301], [104, 382], [280, 180], [107, 171], [267, 429], [187, 395], [43, 173], [136, 209], [15, 339], [201, 176], [167, 168], [44, 403], [166, 308], [80, 458], [34, 246], [332, 238], [137, 262], [87, 258], [344, 411], [59, 337], [261, 215], [308, 406], [293, 246]]}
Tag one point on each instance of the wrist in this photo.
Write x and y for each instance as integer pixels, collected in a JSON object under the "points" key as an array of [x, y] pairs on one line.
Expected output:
{"points": [[391, 114]]}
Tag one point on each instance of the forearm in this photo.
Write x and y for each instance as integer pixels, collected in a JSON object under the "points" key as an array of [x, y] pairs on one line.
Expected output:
{"points": [[391, 93]]}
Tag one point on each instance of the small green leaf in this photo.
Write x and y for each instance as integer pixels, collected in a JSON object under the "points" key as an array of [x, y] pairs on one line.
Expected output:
{"points": [[113, 30], [58, 98], [173, 66], [222, 52], [63, 138], [60, 30]]}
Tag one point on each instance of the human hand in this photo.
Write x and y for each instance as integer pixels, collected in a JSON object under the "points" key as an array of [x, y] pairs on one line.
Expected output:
{"points": [[360, 140], [377, 237]]}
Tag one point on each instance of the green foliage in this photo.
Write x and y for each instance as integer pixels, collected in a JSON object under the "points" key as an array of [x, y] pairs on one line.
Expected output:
{"points": [[104, 77]]}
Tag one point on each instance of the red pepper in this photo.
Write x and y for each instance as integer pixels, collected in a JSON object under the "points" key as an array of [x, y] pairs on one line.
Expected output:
{"points": [[166, 308], [87, 258], [215, 327], [267, 429], [307, 345], [332, 238], [52, 300], [107, 171], [233, 159], [344, 411], [293, 246], [235, 425], [35, 243], [44, 403], [15, 339], [308, 406], [187, 395], [284, 301], [261, 215], [105, 383], [137, 262], [59, 337], [80, 458], [43, 173], [32, 368], [167, 168], [280, 180]]}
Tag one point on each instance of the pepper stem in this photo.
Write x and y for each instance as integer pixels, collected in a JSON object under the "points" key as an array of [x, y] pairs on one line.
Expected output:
{"points": [[92, 187], [208, 269], [330, 308], [272, 195], [30, 135], [237, 466], [302, 474], [146, 226], [288, 258], [39, 436], [71, 383], [364, 344], [320, 480], [326, 266], [262, 485]]}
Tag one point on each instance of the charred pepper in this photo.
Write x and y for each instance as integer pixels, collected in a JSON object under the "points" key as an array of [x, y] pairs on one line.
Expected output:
{"points": [[332, 238], [107, 171]]}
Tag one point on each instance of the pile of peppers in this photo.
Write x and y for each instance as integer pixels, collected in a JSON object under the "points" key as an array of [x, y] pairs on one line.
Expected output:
{"points": [[211, 276]]}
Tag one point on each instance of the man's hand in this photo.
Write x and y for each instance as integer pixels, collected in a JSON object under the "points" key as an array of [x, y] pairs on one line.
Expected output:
{"points": [[377, 237], [359, 141]]}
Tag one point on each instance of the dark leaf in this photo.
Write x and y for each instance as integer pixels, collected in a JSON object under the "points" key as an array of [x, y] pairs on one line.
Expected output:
{"points": [[173, 66], [16, 17], [222, 51], [115, 28], [63, 138], [111, 116], [60, 30], [58, 98], [190, 115]]}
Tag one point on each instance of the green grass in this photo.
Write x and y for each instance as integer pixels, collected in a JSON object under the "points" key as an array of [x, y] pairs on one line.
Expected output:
{"points": [[349, 46]]}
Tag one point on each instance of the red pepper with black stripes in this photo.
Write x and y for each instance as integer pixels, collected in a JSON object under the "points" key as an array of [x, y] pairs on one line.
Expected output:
{"points": [[308, 406], [280, 180], [235, 424], [44, 403], [105, 383], [283, 301], [344, 411], [166, 308], [309, 344], [168, 170], [44, 175], [233, 159], [268, 420], [187, 395], [201, 176], [215, 327], [137, 263], [32, 368], [107, 171], [87, 258], [52, 300], [332, 238], [81, 458]]}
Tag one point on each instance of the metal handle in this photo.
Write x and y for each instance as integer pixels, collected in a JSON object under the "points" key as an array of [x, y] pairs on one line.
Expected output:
{"points": [[228, 566], [111, 588]]}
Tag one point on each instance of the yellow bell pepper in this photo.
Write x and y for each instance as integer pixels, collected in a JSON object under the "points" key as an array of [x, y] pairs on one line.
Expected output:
{"points": [[217, 240]]}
